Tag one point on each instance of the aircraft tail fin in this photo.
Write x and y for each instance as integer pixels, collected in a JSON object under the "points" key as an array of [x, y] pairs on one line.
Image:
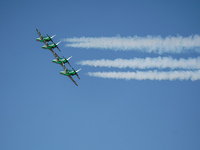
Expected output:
{"points": [[53, 36], [69, 58], [78, 70], [58, 43]]}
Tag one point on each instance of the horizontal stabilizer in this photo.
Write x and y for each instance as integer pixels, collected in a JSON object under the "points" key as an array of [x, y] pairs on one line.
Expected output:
{"points": [[78, 70], [58, 43], [69, 58], [53, 36]]}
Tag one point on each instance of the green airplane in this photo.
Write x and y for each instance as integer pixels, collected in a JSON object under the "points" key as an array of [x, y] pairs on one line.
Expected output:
{"points": [[59, 60], [44, 38], [51, 46], [70, 72]]}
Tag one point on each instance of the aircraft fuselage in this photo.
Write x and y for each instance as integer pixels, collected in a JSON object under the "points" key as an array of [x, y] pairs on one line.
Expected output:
{"points": [[68, 72], [45, 38], [49, 46], [60, 60]]}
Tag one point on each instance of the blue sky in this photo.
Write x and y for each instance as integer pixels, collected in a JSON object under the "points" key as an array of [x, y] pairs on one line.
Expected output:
{"points": [[41, 109]]}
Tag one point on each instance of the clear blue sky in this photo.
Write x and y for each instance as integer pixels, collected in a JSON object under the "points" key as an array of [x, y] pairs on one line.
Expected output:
{"points": [[41, 109]]}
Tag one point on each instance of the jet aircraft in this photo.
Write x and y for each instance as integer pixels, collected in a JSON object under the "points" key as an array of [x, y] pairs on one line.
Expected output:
{"points": [[51, 46], [62, 60], [44, 38], [58, 60], [70, 73]]}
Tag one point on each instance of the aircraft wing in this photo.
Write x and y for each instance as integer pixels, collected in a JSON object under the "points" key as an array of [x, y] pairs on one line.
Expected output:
{"points": [[45, 43], [41, 37], [56, 56], [73, 80], [63, 65]]}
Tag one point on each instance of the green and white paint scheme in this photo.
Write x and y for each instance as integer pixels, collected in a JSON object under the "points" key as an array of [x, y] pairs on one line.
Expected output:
{"points": [[43, 38], [51, 46], [58, 59], [46, 38], [69, 72], [61, 60]]}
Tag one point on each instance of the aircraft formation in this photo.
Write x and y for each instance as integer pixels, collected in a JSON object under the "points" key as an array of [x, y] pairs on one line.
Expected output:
{"points": [[57, 60]]}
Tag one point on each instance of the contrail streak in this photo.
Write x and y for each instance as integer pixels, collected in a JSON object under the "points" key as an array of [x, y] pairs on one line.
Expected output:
{"points": [[149, 75], [149, 44], [159, 62]]}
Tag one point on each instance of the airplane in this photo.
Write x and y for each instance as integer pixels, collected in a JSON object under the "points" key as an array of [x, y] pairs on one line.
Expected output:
{"points": [[70, 73], [44, 38], [59, 60], [51, 46]]}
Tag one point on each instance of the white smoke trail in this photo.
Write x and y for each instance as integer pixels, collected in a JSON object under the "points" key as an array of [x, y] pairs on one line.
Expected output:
{"points": [[149, 75], [159, 62], [148, 44]]}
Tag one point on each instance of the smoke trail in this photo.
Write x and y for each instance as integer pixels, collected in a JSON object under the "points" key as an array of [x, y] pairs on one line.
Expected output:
{"points": [[159, 62], [149, 75], [148, 44]]}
